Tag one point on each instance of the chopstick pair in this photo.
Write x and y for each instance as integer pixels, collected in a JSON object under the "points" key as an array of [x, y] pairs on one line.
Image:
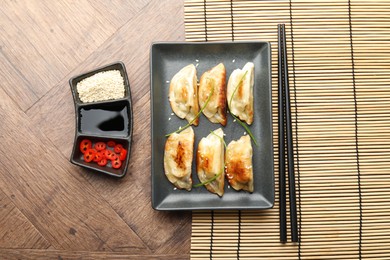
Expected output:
{"points": [[285, 139]]}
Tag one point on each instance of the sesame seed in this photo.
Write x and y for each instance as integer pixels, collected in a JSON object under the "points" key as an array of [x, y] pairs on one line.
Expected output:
{"points": [[105, 85]]}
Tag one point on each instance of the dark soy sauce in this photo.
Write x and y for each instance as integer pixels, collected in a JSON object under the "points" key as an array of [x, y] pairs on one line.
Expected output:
{"points": [[110, 120]]}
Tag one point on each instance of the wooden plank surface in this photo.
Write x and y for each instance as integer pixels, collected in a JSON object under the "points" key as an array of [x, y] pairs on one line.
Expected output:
{"points": [[30, 254], [50, 208], [16, 230]]}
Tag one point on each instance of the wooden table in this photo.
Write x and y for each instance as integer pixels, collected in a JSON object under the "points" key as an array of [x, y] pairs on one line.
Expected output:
{"points": [[49, 208]]}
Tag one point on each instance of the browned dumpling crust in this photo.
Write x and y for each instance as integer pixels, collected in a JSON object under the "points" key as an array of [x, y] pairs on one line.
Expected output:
{"points": [[183, 94], [210, 161], [178, 155], [241, 105], [239, 170], [215, 79]]}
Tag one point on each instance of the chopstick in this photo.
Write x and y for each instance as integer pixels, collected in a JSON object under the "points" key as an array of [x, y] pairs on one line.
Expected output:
{"points": [[281, 141], [290, 149], [285, 120]]}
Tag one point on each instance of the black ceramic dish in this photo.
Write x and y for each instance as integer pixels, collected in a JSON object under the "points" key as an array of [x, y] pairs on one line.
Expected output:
{"points": [[103, 121], [166, 60]]}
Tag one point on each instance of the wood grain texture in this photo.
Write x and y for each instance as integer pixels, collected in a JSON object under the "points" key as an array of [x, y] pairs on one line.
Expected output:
{"points": [[17, 231], [77, 255], [45, 40], [63, 211], [15, 84]]}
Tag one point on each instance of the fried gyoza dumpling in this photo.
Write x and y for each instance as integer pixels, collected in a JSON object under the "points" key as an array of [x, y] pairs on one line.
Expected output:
{"points": [[210, 161], [215, 79], [183, 94], [238, 168], [179, 150], [241, 104]]}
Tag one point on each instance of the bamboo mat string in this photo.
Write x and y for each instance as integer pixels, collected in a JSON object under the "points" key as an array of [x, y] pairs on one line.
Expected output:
{"points": [[356, 130], [232, 18], [239, 234], [212, 235], [298, 184], [205, 18], [212, 212], [239, 212]]}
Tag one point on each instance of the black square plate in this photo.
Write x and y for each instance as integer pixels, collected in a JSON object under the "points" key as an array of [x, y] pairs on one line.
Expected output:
{"points": [[166, 60]]}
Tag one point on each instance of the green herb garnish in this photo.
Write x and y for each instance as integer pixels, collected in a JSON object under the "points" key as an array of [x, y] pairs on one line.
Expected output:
{"points": [[223, 141], [197, 115], [208, 181], [236, 118], [235, 89]]}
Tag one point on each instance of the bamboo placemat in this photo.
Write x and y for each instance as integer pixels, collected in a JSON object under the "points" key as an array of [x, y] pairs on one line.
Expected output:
{"points": [[339, 61]]}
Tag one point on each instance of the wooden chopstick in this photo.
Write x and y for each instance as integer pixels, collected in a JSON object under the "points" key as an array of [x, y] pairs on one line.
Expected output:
{"points": [[281, 141], [285, 121]]}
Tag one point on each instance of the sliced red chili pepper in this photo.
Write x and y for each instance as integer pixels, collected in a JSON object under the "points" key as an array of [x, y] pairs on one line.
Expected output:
{"points": [[116, 164], [100, 146], [123, 154], [85, 144], [103, 153], [89, 155], [118, 148], [98, 156], [102, 162], [111, 143], [107, 154], [113, 157]]}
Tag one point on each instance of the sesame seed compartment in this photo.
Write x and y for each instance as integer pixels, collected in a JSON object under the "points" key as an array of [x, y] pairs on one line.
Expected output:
{"points": [[103, 84]]}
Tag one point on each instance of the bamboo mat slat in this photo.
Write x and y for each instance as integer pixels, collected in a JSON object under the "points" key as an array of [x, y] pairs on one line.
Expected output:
{"points": [[339, 62]]}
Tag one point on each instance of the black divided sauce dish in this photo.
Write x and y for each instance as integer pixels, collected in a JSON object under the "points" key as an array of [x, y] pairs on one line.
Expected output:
{"points": [[103, 121]]}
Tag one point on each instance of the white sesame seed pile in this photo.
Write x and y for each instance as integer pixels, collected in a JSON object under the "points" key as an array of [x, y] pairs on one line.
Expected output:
{"points": [[104, 85]]}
